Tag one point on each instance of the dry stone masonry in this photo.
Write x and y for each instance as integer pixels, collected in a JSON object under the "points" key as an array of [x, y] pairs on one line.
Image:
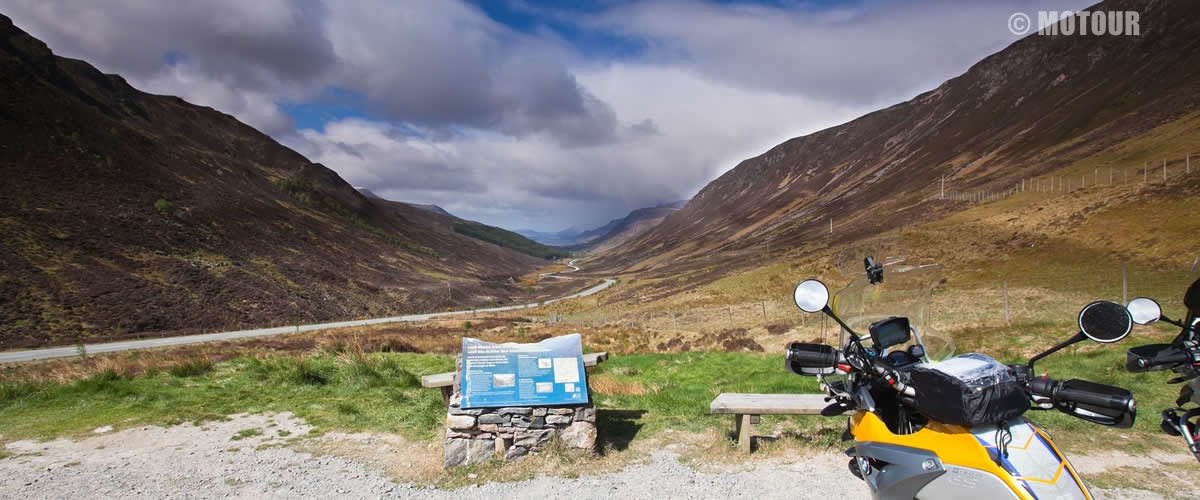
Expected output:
{"points": [[480, 434]]}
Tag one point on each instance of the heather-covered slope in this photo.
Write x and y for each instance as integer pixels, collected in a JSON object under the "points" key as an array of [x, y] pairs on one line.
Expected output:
{"points": [[124, 213], [1041, 104]]}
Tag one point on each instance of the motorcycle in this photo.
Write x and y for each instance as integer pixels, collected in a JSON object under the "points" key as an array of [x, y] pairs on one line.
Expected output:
{"points": [[1181, 355], [931, 428]]}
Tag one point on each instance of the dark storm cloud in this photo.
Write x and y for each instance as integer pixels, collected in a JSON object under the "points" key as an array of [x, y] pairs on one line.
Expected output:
{"points": [[256, 45], [441, 63], [860, 53], [436, 64]]}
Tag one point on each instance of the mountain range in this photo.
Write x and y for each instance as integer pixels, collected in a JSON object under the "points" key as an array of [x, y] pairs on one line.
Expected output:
{"points": [[125, 212], [1038, 108], [620, 228]]}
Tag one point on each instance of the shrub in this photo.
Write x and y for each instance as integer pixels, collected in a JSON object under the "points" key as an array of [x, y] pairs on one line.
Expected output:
{"points": [[192, 367], [164, 207], [466, 325]]}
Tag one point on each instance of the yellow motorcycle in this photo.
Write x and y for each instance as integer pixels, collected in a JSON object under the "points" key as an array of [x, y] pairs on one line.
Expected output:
{"points": [[930, 425]]}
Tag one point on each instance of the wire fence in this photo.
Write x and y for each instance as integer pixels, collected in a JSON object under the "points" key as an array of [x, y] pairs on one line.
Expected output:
{"points": [[1148, 173], [1014, 301]]}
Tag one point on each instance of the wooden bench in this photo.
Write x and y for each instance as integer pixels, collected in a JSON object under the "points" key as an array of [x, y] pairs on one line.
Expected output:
{"points": [[746, 409], [445, 381]]}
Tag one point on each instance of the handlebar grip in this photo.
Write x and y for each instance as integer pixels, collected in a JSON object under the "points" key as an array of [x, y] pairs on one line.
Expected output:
{"points": [[1176, 358], [1082, 392]]}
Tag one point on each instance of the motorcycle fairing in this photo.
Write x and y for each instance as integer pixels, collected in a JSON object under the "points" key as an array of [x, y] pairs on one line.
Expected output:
{"points": [[1032, 460], [1034, 467]]}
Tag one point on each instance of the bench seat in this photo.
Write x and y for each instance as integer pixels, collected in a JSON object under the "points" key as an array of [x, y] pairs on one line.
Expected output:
{"points": [[746, 409]]}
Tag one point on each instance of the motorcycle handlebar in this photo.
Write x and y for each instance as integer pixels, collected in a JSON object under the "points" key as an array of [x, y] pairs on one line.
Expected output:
{"points": [[1177, 358], [1070, 392]]}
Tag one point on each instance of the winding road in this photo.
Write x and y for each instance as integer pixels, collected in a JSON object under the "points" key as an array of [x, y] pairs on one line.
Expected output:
{"points": [[63, 352]]}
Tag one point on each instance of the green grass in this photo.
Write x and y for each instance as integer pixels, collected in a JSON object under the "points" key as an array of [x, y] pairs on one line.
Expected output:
{"points": [[246, 433], [635, 395], [377, 392]]}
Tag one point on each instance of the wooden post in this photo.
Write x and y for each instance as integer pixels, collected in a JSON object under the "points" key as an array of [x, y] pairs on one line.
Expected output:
{"points": [[1096, 176], [1188, 163], [831, 225], [764, 309], [729, 309], [1110, 176], [942, 193], [1164, 170], [1145, 172], [1124, 285], [743, 426], [1007, 321], [1125, 171], [675, 322]]}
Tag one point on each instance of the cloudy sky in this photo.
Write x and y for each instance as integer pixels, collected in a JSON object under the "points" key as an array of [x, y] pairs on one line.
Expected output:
{"points": [[532, 113]]}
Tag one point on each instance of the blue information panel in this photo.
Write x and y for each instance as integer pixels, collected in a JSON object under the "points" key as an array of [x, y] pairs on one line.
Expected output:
{"points": [[549, 372]]}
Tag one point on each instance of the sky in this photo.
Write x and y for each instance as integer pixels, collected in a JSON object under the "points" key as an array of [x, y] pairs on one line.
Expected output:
{"points": [[533, 114]]}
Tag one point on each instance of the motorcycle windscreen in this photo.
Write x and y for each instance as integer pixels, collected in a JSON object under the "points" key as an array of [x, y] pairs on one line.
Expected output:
{"points": [[1032, 460], [906, 291]]}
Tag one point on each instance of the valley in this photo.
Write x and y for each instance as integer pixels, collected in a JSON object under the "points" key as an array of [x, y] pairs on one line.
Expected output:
{"points": [[166, 268]]}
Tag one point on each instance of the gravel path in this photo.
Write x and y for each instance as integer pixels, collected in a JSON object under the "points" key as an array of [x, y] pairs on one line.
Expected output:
{"points": [[254, 456]]}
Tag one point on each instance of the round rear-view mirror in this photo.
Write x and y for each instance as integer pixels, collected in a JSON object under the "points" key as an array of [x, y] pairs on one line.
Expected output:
{"points": [[1144, 311], [1105, 321], [811, 296]]}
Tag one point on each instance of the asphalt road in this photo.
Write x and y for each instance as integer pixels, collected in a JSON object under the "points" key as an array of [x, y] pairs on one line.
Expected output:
{"points": [[63, 352]]}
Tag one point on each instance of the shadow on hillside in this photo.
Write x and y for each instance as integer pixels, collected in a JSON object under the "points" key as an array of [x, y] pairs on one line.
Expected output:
{"points": [[617, 428]]}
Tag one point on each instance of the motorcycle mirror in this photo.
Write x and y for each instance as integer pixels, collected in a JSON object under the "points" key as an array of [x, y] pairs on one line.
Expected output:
{"points": [[811, 296], [1144, 311], [1105, 321]]}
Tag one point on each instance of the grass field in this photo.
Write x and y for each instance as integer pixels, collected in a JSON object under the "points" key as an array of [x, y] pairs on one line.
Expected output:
{"points": [[638, 396]]}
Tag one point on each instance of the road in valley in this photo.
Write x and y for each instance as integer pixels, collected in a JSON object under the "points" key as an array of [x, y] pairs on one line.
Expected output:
{"points": [[63, 352]]}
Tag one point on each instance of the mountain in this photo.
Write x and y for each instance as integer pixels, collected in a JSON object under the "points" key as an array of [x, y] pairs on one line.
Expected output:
{"points": [[433, 208], [620, 231], [634, 223], [367, 192], [478, 230], [1036, 108], [124, 213], [625, 228], [562, 238]]}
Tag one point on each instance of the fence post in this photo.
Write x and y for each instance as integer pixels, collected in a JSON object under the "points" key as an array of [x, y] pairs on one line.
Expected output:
{"points": [[729, 309], [1007, 321], [675, 322], [1146, 172], [1110, 176], [1164, 170], [764, 309], [1124, 285], [1188, 163]]}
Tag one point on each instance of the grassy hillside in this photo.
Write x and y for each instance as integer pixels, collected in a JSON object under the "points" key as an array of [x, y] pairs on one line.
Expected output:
{"points": [[507, 239]]}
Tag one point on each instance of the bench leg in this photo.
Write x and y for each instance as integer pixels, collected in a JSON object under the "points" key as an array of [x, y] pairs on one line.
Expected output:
{"points": [[743, 425]]}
